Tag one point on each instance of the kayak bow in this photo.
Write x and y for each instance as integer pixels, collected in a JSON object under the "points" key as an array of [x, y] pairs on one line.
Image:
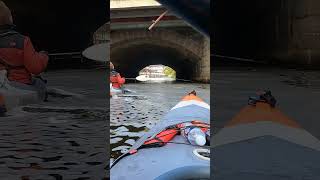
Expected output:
{"points": [[173, 156], [265, 144]]}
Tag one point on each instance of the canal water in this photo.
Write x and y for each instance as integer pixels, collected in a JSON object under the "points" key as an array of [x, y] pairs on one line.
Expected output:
{"points": [[65, 138], [130, 117]]}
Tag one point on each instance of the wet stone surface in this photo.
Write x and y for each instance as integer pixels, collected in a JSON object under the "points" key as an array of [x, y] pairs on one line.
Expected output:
{"points": [[65, 138], [130, 117]]}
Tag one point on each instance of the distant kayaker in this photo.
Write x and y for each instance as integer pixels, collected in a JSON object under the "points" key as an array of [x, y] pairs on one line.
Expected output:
{"points": [[115, 78], [18, 56]]}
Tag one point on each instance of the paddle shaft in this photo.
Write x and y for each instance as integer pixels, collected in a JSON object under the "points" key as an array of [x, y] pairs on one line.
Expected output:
{"points": [[186, 80], [157, 20], [61, 54], [239, 59]]}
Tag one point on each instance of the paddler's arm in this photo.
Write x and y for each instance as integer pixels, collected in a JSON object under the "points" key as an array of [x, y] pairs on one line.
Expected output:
{"points": [[34, 62]]}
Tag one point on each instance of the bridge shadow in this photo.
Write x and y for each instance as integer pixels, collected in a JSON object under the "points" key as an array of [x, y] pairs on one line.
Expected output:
{"points": [[250, 29], [59, 26]]}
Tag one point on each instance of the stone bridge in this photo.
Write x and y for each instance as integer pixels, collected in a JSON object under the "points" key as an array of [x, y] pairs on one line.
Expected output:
{"points": [[172, 42]]}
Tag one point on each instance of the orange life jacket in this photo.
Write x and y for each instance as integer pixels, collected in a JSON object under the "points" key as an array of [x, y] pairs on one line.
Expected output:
{"points": [[18, 57], [116, 80], [167, 135], [162, 138], [203, 126]]}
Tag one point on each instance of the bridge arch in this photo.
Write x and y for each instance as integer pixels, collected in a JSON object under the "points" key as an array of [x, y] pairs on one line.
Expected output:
{"points": [[133, 50]]}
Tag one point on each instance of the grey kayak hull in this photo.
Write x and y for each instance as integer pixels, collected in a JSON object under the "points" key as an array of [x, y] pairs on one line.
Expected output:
{"points": [[261, 142], [119, 91], [265, 158], [15, 97], [116, 91], [152, 163]]}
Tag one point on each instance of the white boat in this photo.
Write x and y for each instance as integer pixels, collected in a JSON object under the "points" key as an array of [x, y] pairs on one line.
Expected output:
{"points": [[157, 74]]}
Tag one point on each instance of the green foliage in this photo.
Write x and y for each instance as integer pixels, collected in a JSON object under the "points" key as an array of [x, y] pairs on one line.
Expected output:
{"points": [[169, 72]]}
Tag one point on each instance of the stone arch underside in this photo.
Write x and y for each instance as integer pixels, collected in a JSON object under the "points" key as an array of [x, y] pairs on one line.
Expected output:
{"points": [[132, 51]]}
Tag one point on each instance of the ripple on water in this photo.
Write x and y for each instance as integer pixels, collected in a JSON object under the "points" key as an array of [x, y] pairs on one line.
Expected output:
{"points": [[303, 79], [55, 143]]}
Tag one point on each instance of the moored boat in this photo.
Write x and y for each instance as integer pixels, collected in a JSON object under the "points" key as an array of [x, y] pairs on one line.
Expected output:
{"points": [[157, 74]]}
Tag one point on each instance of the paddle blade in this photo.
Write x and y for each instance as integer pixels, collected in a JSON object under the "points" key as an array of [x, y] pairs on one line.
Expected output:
{"points": [[98, 52], [141, 78]]}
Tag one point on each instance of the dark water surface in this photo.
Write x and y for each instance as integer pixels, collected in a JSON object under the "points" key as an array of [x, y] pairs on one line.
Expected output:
{"points": [[65, 138], [130, 117]]}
